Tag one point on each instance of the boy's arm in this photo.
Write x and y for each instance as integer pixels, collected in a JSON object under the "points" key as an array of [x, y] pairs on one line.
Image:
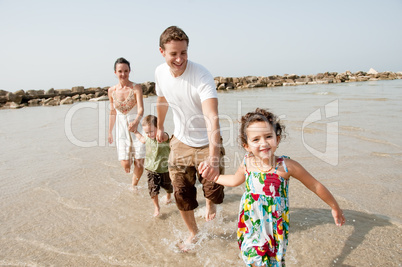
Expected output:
{"points": [[297, 171], [140, 137]]}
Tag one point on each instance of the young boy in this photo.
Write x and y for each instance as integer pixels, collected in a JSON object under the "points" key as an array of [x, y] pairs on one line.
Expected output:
{"points": [[156, 161]]}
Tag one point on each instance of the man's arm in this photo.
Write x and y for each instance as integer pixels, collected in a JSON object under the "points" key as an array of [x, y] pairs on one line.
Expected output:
{"points": [[161, 110], [210, 111]]}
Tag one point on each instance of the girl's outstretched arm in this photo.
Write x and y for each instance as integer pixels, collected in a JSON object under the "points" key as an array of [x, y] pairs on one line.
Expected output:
{"points": [[297, 171], [227, 180]]}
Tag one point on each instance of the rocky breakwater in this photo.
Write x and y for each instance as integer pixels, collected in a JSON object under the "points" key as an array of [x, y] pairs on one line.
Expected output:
{"points": [[229, 83], [55, 97]]}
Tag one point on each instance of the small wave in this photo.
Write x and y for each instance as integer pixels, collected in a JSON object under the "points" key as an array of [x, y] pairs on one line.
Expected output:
{"points": [[324, 93], [386, 155], [69, 203], [378, 141], [367, 99], [351, 128]]}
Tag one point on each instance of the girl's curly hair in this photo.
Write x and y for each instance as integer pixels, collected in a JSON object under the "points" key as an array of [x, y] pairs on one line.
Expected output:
{"points": [[260, 115]]}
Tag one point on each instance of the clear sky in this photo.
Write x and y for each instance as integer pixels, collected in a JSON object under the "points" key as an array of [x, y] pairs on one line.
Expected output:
{"points": [[60, 44]]}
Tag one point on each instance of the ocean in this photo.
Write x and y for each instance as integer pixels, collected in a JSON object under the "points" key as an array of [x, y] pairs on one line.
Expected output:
{"points": [[66, 201]]}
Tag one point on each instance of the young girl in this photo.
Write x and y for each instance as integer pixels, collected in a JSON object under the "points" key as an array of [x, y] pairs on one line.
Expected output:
{"points": [[263, 225]]}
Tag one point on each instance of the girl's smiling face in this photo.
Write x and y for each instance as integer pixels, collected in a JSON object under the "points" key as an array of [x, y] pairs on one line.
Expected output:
{"points": [[261, 139]]}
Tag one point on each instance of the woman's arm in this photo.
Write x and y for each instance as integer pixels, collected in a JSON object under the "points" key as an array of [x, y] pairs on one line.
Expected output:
{"points": [[112, 115], [297, 171], [140, 108]]}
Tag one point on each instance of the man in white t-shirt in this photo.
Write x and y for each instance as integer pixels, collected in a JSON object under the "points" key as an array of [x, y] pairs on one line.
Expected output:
{"points": [[189, 90]]}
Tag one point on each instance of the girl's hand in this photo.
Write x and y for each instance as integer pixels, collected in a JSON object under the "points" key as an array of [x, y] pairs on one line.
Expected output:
{"points": [[110, 138], [338, 216], [206, 172]]}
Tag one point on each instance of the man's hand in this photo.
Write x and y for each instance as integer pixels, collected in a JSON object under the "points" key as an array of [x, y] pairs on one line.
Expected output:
{"points": [[160, 135], [209, 169]]}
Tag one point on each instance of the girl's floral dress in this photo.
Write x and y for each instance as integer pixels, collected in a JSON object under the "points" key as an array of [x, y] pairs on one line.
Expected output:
{"points": [[263, 225]]}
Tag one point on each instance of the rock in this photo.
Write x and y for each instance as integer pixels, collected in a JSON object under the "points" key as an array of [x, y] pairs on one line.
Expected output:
{"points": [[292, 76], [360, 73], [50, 92], [99, 93], [263, 80], [33, 93], [148, 88], [51, 102], [221, 86], [12, 105], [63, 91], [84, 97], [342, 77], [304, 80], [3, 99], [34, 102], [363, 78], [20, 92], [251, 79], [78, 89], [3, 93], [319, 76], [76, 98], [14, 98], [230, 86], [67, 101], [224, 80]]}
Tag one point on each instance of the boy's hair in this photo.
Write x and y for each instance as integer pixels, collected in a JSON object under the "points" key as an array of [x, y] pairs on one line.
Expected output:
{"points": [[172, 33], [150, 120], [122, 60], [260, 115]]}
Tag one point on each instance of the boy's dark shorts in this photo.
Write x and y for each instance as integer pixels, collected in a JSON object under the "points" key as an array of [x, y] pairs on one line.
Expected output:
{"points": [[183, 164], [158, 180]]}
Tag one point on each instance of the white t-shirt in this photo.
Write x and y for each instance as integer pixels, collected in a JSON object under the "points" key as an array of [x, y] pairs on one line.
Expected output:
{"points": [[184, 95]]}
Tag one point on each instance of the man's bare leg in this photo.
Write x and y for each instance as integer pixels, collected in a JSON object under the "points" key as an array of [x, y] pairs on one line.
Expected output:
{"points": [[189, 219], [210, 210]]}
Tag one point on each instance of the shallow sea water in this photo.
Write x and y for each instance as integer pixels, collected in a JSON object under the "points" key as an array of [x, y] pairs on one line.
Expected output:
{"points": [[66, 201]]}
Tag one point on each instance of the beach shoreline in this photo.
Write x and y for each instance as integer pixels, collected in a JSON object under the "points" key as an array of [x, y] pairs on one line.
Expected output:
{"points": [[56, 97]]}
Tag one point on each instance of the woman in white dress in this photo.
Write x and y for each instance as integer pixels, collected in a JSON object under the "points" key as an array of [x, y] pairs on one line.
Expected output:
{"points": [[124, 97]]}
